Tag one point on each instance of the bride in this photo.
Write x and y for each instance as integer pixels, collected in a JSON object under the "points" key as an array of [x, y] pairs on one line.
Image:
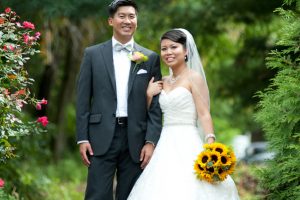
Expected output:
{"points": [[184, 100]]}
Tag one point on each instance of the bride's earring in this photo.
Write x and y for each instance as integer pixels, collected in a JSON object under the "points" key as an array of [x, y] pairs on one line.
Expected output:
{"points": [[185, 58]]}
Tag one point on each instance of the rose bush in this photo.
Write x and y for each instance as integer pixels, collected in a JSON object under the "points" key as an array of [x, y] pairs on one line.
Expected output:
{"points": [[18, 42]]}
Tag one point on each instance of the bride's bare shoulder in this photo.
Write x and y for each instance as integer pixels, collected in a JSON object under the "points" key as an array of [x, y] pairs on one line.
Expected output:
{"points": [[195, 75], [164, 78], [195, 79]]}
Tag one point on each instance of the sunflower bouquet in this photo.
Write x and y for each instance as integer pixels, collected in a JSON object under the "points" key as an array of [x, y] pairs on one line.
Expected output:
{"points": [[215, 162]]}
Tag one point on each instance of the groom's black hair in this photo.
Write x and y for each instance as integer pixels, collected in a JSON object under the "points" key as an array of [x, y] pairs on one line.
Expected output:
{"points": [[176, 36], [114, 5]]}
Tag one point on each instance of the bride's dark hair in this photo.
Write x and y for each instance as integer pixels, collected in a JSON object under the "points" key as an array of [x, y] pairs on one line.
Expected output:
{"points": [[176, 36]]}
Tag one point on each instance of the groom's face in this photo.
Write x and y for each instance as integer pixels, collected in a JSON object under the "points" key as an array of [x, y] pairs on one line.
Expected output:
{"points": [[124, 23]]}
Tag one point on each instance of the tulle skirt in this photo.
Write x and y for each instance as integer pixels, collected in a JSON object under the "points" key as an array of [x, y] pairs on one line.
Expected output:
{"points": [[170, 173]]}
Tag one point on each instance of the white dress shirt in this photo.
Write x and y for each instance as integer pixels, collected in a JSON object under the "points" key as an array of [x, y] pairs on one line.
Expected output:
{"points": [[122, 65]]}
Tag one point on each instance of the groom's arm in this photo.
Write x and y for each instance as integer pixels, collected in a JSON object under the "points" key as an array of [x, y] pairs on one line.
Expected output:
{"points": [[84, 87], [154, 123]]}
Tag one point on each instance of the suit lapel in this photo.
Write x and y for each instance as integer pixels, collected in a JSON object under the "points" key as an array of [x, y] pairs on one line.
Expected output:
{"points": [[109, 63], [132, 74]]}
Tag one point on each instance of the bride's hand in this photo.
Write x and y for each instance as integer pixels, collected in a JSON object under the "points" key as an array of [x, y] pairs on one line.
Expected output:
{"points": [[210, 140], [154, 88]]}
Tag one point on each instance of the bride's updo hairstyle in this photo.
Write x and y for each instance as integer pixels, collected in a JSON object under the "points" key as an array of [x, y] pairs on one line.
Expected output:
{"points": [[175, 35]]}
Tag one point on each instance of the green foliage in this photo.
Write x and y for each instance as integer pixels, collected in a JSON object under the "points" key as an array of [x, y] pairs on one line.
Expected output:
{"points": [[17, 45], [46, 180], [67, 180], [279, 110], [52, 9], [5, 196]]}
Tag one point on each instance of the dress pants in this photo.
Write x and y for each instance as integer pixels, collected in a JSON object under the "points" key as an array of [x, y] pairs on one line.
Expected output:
{"points": [[117, 161]]}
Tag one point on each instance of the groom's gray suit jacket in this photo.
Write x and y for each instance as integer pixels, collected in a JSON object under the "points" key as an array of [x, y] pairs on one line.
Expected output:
{"points": [[97, 100]]}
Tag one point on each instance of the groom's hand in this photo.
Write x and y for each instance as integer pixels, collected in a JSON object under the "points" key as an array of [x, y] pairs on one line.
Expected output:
{"points": [[85, 148], [146, 154]]}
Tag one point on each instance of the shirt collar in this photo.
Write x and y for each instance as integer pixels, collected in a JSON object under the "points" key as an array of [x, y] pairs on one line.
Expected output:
{"points": [[114, 42]]}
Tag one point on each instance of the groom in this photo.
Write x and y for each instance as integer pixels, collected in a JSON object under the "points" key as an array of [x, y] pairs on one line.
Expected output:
{"points": [[115, 130]]}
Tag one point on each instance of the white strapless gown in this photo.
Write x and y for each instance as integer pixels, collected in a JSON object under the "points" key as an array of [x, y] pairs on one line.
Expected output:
{"points": [[170, 173]]}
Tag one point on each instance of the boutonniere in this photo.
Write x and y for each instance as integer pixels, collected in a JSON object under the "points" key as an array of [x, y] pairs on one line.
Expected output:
{"points": [[138, 58]]}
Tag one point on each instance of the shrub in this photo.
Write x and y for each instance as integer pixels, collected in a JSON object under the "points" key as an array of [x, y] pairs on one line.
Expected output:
{"points": [[279, 110], [18, 43]]}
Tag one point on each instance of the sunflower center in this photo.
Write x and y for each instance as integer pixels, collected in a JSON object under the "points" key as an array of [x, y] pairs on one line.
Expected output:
{"points": [[219, 150], [214, 158], [223, 159], [200, 167], [211, 169], [220, 171], [204, 159]]}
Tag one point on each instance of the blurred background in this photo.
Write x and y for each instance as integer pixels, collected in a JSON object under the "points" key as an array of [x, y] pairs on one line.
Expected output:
{"points": [[234, 38]]}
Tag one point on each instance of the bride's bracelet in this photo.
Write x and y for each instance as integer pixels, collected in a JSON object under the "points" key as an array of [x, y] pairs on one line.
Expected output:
{"points": [[210, 135]]}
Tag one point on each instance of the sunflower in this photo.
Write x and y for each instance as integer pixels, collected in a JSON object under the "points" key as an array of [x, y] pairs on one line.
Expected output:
{"points": [[207, 176], [231, 168], [221, 148], [198, 168], [214, 163], [232, 156], [215, 158], [225, 159], [208, 147], [203, 158], [222, 174]]}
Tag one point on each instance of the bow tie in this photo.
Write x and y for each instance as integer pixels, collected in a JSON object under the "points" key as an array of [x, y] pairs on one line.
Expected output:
{"points": [[119, 47]]}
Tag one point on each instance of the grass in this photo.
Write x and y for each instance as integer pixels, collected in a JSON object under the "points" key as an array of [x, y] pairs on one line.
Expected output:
{"points": [[66, 180], [63, 180]]}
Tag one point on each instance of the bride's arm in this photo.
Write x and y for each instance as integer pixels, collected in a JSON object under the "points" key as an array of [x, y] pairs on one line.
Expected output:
{"points": [[154, 88], [201, 98]]}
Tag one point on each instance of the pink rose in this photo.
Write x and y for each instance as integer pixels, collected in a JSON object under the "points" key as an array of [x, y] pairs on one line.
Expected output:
{"points": [[136, 57], [28, 25], [26, 38], [19, 25], [37, 35], [43, 120], [7, 10], [38, 106], [44, 101], [2, 183]]}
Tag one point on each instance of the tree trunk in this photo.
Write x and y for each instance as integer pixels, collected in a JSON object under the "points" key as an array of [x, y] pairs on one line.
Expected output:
{"points": [[72, 60]]}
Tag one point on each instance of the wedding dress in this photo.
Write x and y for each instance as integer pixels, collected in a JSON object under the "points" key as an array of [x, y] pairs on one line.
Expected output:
{"points": [[170, 173]]}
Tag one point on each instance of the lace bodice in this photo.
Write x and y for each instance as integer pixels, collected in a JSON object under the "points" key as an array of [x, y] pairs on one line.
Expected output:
{"points": [[178, 107]]}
